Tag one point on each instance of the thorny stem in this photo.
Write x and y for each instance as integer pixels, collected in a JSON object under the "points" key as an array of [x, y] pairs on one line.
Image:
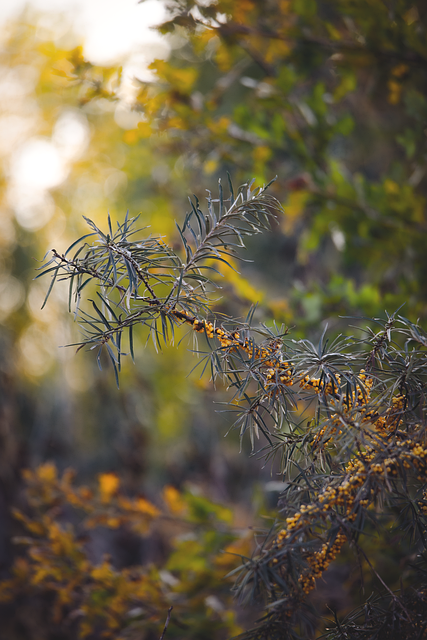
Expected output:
{"points": [[386, 587], [96, 274], [379, 342], [211, 234], [127, 256], [80, 268]]}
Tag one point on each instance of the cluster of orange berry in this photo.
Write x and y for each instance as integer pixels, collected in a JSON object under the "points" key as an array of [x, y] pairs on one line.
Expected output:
{"points": [[275, 370], [319, 562], [350, 493], [330, 388], [353, 491], [226, 338]]}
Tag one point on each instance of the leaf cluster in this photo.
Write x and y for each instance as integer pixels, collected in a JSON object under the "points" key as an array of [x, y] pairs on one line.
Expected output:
{"points": [[355, 468], [85, 598], [143, 281]]}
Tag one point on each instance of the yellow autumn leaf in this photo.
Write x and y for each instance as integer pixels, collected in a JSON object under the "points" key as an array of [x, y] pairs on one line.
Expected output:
{"points": [[224, 58], [277, 50], [240, 284], [229, 557], [62, 542], [131, 137], [103, 573], [85, 627], [293, 208], [173, 499], [146, 507], [241, 10], [144, 129], [177, 123], [36, 528], [219, 126], [391, 187], [399, 70], [202, 40], [261, 153], [210, 166], [395, 90], [108, 485], [113, 523], [39, 575], [47, 472], [182, 79]]}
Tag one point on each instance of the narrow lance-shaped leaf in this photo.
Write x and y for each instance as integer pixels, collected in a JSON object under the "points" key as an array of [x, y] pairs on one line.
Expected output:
{"points": [[52, 282]]}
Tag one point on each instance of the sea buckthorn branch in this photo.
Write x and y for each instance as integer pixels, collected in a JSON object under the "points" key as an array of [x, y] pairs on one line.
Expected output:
{"points": [[244, 364], [378, 433], [281, 388], [221, 234], [145, 282], [327, 523], [280, 384], [380, 340], [372, 467]]}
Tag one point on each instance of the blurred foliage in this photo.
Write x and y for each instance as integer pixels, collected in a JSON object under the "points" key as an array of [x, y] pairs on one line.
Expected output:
{"points": [[59, 588], [331, 97]]}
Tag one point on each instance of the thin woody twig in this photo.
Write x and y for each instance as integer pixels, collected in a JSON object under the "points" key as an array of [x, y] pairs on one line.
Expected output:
{"points": [[166, 623]]}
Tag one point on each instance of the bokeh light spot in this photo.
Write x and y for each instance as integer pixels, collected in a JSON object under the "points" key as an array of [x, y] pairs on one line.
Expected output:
{"points": [[38, 164], [12, 295], [71, 135]]}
